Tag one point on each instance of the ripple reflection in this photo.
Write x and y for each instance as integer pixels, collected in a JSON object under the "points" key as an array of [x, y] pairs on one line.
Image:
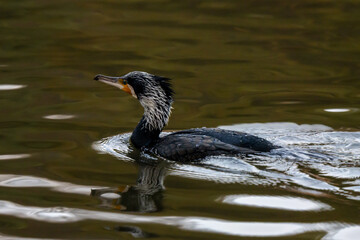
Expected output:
{"points": [[8, 237], [4, 87], [341, 110], [14, 156], [59, 116], [352, 232], [17, 181], [191, 223], [277, 202]]}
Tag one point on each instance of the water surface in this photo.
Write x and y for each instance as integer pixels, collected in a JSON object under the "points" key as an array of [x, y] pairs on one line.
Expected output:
{"points": [[284, 70]]}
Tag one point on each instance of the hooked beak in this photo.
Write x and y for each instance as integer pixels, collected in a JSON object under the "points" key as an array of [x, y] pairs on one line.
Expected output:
{"points": [[116, 82]]}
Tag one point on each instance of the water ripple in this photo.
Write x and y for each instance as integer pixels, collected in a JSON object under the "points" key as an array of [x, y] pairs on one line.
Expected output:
{"points": [[117, 146], [311, 157], [7, 237], [340, 110], [276, 202], [4, 87], [352, 232], [17, 181], [14, 156], [59, 116], [191, 223]]}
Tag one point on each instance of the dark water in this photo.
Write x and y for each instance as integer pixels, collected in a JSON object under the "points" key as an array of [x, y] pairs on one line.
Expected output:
{"points": [[285, 70]]}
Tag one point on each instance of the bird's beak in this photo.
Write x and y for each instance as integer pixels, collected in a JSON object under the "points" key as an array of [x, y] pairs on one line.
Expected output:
{"points": [[116, 82]]}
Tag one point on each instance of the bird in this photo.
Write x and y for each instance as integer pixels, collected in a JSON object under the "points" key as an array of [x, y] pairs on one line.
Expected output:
{"points": [[156, 95]]}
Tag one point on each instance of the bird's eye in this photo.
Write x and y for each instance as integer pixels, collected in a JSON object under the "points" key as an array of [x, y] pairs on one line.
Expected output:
{"points": [[124, 82]]}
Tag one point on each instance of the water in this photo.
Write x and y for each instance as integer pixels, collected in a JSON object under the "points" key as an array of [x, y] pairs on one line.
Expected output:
{"points": [[286, 71]]}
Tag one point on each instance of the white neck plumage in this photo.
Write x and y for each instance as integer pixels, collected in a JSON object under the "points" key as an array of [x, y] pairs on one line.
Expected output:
{"points": [[156, 113]]}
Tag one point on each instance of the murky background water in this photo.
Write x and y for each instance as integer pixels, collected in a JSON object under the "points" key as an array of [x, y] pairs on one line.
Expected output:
{"points": [[288, 71]]}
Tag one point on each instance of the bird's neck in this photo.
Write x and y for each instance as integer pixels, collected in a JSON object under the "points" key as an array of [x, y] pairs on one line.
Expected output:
{"points": [[142, 136], [151, 124]]}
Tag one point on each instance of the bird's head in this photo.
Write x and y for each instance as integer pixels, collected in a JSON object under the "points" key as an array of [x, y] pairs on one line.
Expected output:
{"points": [[140, 84], [153, 92]]}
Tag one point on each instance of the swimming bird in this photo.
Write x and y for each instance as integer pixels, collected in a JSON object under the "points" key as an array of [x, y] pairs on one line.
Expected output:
{"points": [[155, 94]]}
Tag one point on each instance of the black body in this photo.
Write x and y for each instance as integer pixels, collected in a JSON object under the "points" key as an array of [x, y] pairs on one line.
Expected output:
{"points": [[198, 143]]}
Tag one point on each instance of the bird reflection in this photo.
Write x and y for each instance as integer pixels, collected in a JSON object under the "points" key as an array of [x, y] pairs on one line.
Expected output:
{"points": [[144, 196]]}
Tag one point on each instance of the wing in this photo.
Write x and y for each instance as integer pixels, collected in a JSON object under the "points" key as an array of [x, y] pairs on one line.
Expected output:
{"points": [[189, 147], [235, 138]]}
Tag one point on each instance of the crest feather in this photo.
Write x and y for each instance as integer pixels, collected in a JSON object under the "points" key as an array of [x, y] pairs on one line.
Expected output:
{"points": [[166, 85]]}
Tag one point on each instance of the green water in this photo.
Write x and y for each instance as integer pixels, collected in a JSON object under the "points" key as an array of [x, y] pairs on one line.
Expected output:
{"points": [[231, 62]]}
